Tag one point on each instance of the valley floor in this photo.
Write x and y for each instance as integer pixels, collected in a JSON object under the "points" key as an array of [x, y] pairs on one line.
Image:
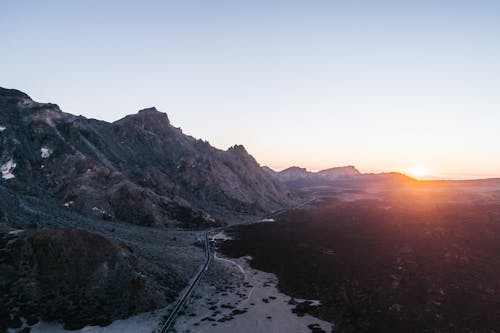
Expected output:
{"points": [[233, 297]]}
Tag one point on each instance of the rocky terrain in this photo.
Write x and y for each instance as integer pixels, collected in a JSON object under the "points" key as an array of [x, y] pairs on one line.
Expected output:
{"points": [[393, 256], [167, 259], [98, 219], [77, 277], [139, 169]]}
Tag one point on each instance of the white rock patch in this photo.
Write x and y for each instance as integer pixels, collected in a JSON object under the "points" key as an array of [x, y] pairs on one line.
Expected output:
{"points": [[2, 128], [45, 152], [221, 236], [99, 210], [7, 169]]}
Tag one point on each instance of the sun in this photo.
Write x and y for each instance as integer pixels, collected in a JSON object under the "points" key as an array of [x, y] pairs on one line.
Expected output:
{"points": [[419, 171]]}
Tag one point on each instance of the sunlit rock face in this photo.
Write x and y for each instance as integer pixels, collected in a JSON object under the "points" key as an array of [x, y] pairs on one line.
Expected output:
{"points": [[139, 169]]}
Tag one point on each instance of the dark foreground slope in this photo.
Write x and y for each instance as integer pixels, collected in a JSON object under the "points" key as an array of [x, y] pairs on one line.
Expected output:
{"points": [[161, 260], [75, 277], [139, 169], [416, 258]]}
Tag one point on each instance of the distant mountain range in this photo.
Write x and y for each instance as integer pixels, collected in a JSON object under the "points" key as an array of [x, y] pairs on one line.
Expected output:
{"points": [[139, 169], [295, 173], [297, 177]]}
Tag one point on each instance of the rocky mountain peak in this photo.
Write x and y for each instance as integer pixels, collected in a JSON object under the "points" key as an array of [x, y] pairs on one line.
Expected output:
{"points": [[149, 119], [347, 167], [152, 112], [343, 171], [13, 94], [152, 115], [240, 149], [21, 102], [295, 169]]}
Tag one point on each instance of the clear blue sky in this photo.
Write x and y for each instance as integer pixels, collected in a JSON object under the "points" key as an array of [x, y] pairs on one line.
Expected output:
{"points": [[383, 85]]}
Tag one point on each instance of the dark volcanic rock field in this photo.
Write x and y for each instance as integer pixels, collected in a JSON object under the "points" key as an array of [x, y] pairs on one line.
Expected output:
{"points": [[405, 262]]}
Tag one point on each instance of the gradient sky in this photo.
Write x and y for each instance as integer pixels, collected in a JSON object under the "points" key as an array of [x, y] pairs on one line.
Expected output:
{"points": [[383, 85]]}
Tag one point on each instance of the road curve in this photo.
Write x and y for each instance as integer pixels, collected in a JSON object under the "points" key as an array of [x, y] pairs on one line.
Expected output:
{"points": [[208, 258]]}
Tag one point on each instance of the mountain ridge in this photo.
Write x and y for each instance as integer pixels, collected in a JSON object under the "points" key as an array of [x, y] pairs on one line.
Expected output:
{"points": [[298, 175], [138, 169]]}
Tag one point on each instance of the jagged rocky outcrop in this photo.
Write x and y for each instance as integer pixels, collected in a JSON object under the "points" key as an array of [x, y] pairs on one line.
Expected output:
{"points": [[139, 169], [75, 277]]}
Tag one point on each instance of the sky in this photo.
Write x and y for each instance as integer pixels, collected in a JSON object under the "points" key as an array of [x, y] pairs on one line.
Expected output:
{"points": [[382, 85]]}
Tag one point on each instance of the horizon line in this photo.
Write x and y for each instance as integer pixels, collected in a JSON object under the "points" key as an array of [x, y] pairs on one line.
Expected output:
{"points": [[434, 177]]}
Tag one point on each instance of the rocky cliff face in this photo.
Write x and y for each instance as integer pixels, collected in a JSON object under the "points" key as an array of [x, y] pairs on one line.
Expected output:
{"points": [[139, 169]]}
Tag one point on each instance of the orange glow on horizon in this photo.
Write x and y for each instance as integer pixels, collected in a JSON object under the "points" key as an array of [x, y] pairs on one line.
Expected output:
{"points": [[313, 161], [419, 171]]}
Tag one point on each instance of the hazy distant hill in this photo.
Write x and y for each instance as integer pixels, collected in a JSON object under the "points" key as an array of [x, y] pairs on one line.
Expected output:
{"points": [[138, 169], [339, 172], [298, 177]]}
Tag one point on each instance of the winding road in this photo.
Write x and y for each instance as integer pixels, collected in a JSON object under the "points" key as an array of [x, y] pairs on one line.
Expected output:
{"points": [[182, 300], [208, 258]]}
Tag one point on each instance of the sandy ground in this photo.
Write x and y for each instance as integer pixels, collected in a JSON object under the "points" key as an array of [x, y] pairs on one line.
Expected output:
{"points": [[233, 297], [141, 323]]}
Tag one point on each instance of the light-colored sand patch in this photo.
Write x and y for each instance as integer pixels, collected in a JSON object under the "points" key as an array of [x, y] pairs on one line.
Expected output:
{"points": [[220, 236], [232, 262], [141, 323], [312, 302], [227, 303]]}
